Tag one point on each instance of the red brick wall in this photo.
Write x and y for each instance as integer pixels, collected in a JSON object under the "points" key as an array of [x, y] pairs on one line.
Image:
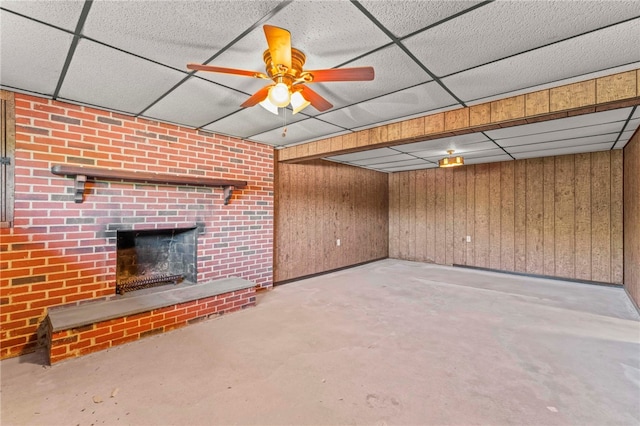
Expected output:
{"points": [[96, 337], [60, 252]]}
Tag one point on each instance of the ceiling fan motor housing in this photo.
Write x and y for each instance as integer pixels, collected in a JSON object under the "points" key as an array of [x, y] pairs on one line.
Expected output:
{"points": [[280, 72]]}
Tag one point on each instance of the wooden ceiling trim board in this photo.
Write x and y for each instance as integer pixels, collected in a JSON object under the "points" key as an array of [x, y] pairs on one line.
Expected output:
{"points": [[617, 86], [480, 115], [456, 119], [615, 91], [536, 103], [349, 140], [572, 96], [508, 109]]}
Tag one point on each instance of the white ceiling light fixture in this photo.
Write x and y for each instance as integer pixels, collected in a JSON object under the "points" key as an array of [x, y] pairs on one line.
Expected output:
{"points": [[451, 161], [280, 96]]}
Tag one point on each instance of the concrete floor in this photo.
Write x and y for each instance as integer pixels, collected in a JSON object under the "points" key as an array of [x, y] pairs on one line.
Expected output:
{"points": [[391, 342]]}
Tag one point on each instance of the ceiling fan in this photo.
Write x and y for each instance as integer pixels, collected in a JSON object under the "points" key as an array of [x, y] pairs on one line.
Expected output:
{"points": [[284, 67]]}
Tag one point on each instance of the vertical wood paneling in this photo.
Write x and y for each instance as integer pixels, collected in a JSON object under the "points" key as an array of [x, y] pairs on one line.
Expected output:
{"points": [[549, 215], [601, 216], [441, 224], [411, 201], [583, 216], [481, 245], [535, 216], [459, 215], [495, 242], [471, 204], [449, 196], [421, 215], [617, 237], [632, 218], [431, 215], [520, 216], [319, 202], [404, 215], [564, 216], [394, 215], [507, 219]]}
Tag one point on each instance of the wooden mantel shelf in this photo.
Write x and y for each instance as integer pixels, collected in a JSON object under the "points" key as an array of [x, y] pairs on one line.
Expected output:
{"points": [[82, 172]]}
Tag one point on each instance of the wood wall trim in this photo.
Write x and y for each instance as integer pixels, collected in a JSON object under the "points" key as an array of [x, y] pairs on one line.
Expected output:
{"points": [[599, 94]]}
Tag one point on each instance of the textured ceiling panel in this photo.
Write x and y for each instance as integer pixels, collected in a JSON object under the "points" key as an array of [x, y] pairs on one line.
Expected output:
{"points": [[252, 121], [488, 159], [32, 55], [509, 28], [455, 142], [362, 155], [61, 13], [405, 17], [121, 81], [173, 32], [394, 158], [600, 50], [196, 103], [297, 132], [563, 151], [424, 165], [589, 140], [598, 129], [419, 99], [561, 124], [624, 139]]}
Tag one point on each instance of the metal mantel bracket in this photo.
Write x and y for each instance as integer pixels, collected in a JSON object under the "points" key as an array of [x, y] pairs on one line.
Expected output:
{"points": [[79, 188], [228, 192]]}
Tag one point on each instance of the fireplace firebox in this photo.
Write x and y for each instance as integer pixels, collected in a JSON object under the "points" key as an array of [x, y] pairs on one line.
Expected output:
{"points": [[155, 257]]}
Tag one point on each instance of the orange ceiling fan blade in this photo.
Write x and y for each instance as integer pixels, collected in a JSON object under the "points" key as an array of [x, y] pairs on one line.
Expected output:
{"points": [[279, 41], [211, 68], [317, 101], [257, 97], [342, 74]]}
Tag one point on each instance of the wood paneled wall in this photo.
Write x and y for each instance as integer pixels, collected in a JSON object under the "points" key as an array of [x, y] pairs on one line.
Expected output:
{"points": [[319, 202], [632, 218], [558, 216]]}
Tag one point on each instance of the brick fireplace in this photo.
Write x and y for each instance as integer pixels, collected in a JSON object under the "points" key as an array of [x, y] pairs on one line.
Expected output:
{"points": [[60, 251]]}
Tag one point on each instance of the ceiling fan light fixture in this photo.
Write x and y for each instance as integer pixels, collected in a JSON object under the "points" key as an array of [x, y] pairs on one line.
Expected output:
{"points": [[279, 95], [451, 161], [298, 102], [266, 104]]}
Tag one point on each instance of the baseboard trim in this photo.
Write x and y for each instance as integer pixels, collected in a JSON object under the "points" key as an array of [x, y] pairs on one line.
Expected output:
{"points": [[317, 274], [546, 277]]}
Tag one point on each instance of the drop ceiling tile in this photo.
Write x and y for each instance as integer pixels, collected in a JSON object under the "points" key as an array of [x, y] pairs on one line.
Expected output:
{"points": [[508, 28], [590, 140], [563, 151], [196, 103], [424, 165], [625, 137], [32, 54], [442, 144], [420, 99], [403, 74], [488, 159], [616, 115], [300, 131], [596, 51], [363, 155], [483, 153], [395, 158], [405, 17], [599, 129], [252, 121], [173, 32], [63, 14], [107, 77]]}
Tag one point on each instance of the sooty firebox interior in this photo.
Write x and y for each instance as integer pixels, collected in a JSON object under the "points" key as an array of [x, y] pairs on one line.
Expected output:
{"points": [[154, 257]]}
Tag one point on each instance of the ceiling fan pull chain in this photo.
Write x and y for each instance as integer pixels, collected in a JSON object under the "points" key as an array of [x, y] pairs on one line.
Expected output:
{"points": [[284, 122]]}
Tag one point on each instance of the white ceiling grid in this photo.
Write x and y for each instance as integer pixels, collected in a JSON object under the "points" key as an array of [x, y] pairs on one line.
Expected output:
{"points": [[130, 56]]}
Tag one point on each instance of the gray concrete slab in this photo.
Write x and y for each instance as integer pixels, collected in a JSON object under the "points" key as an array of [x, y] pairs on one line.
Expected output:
{"points": [[391, 342]]}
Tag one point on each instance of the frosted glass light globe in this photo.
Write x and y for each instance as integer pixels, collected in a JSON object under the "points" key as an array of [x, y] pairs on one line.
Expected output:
{"points": [[279, 95]]}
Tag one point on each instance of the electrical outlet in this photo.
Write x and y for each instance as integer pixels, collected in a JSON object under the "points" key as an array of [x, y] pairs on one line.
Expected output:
{"points": [[338, 242], [468, 238]]}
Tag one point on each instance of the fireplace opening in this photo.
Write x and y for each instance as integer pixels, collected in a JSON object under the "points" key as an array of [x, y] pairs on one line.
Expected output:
{"points": [[155, 257]]}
